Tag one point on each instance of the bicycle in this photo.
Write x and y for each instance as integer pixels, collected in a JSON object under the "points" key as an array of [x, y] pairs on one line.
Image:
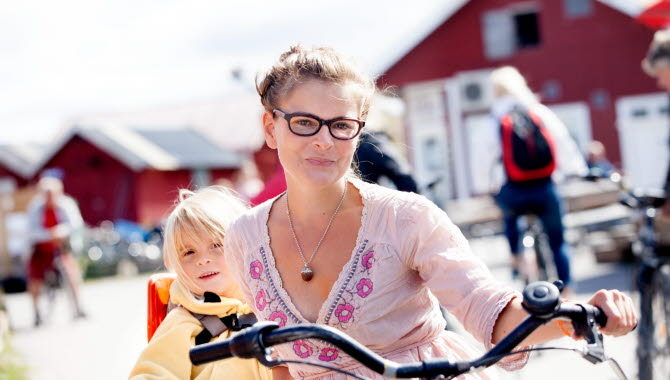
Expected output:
{"points": [[540, 299], [652, 280]]}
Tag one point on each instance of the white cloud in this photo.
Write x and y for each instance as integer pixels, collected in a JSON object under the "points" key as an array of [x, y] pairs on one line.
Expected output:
{"points": [[67, 57]]}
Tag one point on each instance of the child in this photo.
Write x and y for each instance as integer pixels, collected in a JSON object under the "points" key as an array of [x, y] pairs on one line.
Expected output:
{"points": [[193, 249]]}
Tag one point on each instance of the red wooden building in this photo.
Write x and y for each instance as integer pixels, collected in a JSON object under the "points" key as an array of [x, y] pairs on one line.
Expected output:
{"points": [[582, 57], [122, 173]]}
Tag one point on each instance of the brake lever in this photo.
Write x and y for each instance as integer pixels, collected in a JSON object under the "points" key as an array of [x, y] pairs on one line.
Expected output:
{"points": [[587, 328], [594, 351]]}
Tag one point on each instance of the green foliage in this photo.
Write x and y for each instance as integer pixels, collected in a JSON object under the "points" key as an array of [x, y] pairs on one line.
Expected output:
{"points": [[11, 365]]}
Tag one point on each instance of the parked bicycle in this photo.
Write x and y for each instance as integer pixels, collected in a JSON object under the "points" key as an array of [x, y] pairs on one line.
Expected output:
{"points": [[540, 299], [652, 280]]}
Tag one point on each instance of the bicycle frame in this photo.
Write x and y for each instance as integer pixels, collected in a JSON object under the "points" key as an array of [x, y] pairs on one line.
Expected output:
{"points": [[534, 238]]}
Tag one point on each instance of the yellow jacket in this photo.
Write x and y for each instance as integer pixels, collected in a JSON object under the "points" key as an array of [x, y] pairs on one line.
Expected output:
{"points": [[166, 355]]}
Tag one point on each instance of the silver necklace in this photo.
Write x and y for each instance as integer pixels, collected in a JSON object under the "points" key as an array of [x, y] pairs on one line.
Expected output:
{"points": [[307, 273]]}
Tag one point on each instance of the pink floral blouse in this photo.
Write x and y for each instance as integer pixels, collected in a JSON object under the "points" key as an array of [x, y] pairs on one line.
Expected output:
{"points": [[409, 257]]}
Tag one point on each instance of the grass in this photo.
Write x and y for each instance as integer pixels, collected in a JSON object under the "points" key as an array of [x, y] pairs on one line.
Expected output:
{"points": [[11, 364]]}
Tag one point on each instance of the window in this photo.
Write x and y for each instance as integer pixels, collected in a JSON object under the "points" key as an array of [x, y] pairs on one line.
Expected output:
{"points": [[578, 8], [527, 31], [505, 31]]}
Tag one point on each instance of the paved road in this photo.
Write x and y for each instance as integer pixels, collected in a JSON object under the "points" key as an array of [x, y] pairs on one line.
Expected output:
{"points": [[106, 345]]}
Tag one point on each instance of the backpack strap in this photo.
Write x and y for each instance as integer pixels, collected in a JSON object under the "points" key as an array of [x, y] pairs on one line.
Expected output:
{"points": [[215, 326]]}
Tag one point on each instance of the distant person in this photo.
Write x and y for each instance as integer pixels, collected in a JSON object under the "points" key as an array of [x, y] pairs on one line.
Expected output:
{"points": [[53, 220], [205, 293], [531, 176], [657, 65], [378, 158], [597, 159]]}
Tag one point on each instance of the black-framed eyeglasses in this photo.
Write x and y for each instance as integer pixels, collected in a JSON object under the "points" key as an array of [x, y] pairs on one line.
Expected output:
{"points": [[305, 124]]}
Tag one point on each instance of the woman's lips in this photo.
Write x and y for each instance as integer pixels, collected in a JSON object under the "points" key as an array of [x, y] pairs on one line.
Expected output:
{"points": [[320, 161]]}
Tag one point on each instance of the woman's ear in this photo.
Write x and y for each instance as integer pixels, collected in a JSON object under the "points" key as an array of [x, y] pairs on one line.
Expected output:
{"points": [[269, 129]]}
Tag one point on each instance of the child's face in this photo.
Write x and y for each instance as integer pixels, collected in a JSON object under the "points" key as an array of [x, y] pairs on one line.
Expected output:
{"points": [[203, 262]]}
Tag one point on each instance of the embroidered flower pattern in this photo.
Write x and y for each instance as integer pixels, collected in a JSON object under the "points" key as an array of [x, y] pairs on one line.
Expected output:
{"points": [[364, 287], [328, 354], [368, 259], [279, 317], [344, 312], [261, 301], [302, 349], [256, 269]]}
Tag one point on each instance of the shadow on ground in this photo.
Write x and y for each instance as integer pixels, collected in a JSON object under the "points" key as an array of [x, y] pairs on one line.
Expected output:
{"points": [[608, 280]]}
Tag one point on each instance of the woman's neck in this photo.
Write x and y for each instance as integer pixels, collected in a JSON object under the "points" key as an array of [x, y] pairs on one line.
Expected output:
{"points": [[310, 205]]}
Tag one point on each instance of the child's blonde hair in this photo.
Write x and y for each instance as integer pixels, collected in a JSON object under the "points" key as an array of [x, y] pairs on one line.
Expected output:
{"points": [[210, 211]]}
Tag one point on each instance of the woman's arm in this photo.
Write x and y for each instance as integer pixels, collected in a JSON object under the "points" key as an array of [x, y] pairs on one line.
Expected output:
{"points": [[618, 307]]}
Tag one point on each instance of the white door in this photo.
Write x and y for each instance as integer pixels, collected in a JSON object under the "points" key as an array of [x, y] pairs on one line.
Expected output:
{"points": [[643, 124], [427, 137]]}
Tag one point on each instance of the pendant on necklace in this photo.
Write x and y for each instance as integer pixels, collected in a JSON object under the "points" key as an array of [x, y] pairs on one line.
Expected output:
{"points": [[306, 274]]}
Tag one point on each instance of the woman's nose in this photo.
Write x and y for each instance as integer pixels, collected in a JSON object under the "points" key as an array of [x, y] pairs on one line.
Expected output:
{"points": [[323, 137]]}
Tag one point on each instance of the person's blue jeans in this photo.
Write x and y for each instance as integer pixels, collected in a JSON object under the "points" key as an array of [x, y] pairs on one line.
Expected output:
{"points": [[541, 199]]}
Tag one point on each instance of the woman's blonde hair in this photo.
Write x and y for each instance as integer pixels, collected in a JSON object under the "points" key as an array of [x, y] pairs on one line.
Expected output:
{"points": [[507, 80], [299, 64], [207, 211]]}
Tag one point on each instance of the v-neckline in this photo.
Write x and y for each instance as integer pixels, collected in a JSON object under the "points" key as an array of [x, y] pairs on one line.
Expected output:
{"points": [[272, 267]]}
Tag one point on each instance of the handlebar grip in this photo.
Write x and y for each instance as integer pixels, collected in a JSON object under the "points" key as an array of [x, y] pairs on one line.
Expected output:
{"points": [[600, 317], [210, 352]]}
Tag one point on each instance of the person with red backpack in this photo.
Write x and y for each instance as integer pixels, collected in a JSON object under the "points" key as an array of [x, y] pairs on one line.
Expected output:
{"points": [[537, 152]]}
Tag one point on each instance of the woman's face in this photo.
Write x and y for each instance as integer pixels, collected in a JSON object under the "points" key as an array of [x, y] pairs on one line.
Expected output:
{"points": [[321, 159]]}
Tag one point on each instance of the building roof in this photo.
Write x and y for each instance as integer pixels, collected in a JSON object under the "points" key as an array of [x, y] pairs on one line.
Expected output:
{"points": [[160, 149], [21, 159], [232, 122]]}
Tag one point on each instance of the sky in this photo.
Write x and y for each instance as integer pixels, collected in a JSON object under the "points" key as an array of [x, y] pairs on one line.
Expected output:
{"points": [[69, 58]]}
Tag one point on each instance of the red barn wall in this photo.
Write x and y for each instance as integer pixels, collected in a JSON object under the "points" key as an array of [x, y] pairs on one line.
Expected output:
{"points": [[102, 185], [599, 52], [157, 191]]}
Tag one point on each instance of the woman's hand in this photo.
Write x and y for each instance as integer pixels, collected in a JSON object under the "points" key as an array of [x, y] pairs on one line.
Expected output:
{"points": [[619, 309]]}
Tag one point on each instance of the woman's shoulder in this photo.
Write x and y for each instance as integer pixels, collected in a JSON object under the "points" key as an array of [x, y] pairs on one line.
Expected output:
{"points": [[390, 202]]}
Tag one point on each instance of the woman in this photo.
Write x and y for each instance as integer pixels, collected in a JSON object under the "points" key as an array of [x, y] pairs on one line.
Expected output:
{"points": [[538, 196], [370, 261]]}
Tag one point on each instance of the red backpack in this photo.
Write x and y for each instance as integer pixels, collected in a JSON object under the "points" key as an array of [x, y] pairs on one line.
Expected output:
{"points": [[527, 146]]}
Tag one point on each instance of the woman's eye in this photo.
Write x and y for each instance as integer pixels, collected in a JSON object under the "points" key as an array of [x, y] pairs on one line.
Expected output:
{"points": [[305, 123], [343, 126]]}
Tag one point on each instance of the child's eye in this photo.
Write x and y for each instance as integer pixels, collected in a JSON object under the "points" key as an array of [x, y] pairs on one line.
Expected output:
{"points": [[217, 245], [188, 252]]}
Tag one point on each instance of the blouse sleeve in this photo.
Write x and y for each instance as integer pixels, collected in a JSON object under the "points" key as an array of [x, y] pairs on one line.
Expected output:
{"points": [[462, 283]]}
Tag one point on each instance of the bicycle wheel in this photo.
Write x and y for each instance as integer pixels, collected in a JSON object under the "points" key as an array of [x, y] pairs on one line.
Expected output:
{"points": [[545, 259], [653, 330]]}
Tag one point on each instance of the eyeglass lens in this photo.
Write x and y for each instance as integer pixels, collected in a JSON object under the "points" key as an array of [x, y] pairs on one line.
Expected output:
{"points": [[344, 129]]}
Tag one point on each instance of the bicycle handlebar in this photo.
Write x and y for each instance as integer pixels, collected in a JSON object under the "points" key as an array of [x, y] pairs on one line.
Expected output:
{"points": [[541, 300]]}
